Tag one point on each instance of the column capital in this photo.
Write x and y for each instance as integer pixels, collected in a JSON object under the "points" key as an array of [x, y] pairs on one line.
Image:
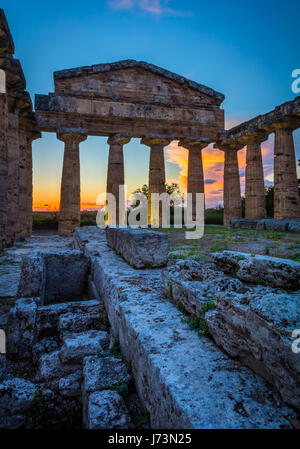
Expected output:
{"points": [[152, 141], [228, 146], [120, 139], [71, 137], [193, 145], [258, 136]]}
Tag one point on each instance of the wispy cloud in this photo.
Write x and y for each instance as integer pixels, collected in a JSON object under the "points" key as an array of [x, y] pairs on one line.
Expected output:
{"points": [[153, 7]]}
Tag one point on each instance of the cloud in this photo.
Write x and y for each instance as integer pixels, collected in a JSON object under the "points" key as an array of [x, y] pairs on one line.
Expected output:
{"points": [[153, 7], [209, 181]]}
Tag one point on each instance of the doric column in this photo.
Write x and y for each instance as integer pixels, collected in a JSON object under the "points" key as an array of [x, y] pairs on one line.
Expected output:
{"points": [[23, 181], [286, 197], [3, 170], [115, 170], [232, 187], [195, 178], [30, 138], [157, 175], [13, 178], [255, 201], [69, 215]]}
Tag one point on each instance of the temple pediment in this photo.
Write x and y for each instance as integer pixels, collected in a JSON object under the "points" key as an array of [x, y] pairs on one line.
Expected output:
{"points": [[136, 82]]}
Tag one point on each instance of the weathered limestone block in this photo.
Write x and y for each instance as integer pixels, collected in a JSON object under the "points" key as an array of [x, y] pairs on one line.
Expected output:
{"points": [[100, 373], [70, 386], [50, 367], [257, 329], [80, 321], [66, 275], [47, 322], [16, 397], [195, 285], [77, 346], [166, 353], [32, 279], [294, 226], [276, 225], [247, 223], [272, 271], [44, 346], [140, 247], [106, 410], [21, 327]]}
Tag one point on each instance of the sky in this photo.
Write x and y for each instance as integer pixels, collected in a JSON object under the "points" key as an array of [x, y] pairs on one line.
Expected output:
{"points": [[245, 49]]}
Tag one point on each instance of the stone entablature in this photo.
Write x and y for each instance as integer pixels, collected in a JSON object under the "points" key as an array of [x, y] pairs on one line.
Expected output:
{"points": [[130, 97], [286, 115]]}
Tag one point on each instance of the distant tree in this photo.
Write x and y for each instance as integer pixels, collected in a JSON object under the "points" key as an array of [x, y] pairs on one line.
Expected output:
{"points": [[170, 188], [270, 201]]}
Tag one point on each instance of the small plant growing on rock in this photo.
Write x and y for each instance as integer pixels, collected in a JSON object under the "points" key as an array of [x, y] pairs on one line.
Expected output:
{"points": [[38, 403]]}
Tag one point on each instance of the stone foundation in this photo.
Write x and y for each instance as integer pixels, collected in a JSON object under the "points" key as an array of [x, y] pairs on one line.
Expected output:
{"points": [[267, 224]]}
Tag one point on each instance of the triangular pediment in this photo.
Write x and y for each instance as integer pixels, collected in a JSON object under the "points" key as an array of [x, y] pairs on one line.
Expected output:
{"points": [[134, 81]]}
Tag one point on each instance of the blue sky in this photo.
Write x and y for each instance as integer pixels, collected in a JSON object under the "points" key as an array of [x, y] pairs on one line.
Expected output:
{"points": [[245, 49]]}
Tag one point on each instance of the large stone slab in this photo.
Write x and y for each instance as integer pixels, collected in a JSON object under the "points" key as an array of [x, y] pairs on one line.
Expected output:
{"points": [[78, 346], [266, 224], [272, 271], [50, 367], [139, 247], [257, 329], [107, 410], [183, 381]]}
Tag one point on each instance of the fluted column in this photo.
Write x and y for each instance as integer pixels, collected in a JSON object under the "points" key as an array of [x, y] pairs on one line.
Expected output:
{"points": [[23, 195], [286, 197], [157, 175], [255, 201], [3, 170], [115, 170], [13, 223], [195, 178], [69, 215], [232, 187]]}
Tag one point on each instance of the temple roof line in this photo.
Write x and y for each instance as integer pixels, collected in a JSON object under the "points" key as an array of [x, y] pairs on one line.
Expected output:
{"points": [[128, 63]]}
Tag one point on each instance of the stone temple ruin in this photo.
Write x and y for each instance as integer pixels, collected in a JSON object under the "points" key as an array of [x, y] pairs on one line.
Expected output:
{"points": [[109, 334]]}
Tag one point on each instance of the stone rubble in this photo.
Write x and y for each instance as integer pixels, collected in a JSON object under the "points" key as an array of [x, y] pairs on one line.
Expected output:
{"points": [[272, 271]]}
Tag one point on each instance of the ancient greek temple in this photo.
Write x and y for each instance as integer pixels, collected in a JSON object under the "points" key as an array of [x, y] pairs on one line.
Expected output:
{"points": [[125, 100]]}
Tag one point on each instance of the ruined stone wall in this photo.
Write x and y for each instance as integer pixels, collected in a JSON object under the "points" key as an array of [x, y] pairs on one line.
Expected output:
{"points": [[18, 129]]}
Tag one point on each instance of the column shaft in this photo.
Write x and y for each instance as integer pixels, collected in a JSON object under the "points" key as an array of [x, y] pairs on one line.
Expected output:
{"points": [[232, 188], [3, 170], [157, 176], [255, 203], [286, 197], [23, 194], [195, 178], [13, 178], [69, 215], [115, 170]]}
